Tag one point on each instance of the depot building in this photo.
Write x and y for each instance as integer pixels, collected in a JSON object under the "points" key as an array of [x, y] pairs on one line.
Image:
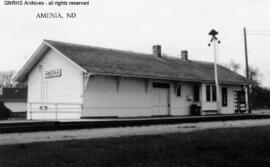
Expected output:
{"points": [[72, 81]]}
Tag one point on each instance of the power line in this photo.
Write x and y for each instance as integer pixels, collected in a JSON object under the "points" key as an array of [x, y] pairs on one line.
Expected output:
{"points": [[258, 32], [263, 34]]}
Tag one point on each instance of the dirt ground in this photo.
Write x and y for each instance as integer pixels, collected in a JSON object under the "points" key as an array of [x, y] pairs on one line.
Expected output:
{"points": [[18, 138]]}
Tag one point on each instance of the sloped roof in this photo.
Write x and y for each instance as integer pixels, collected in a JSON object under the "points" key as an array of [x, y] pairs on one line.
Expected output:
{"points": [[126, 63], [103, 61]]}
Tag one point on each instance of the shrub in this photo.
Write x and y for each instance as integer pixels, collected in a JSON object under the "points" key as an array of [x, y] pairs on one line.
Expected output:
{"points": [[4, 111]]}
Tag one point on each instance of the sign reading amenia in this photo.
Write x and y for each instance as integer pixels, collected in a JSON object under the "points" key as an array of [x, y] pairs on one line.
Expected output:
{"points": [[53, 73]]}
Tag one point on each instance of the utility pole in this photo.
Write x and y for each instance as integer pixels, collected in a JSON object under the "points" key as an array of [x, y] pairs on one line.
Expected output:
{"points": [[215, 40], [247, 70]]}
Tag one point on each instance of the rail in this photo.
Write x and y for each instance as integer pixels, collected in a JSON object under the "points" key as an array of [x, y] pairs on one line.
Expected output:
{"points": [[53, 108]]}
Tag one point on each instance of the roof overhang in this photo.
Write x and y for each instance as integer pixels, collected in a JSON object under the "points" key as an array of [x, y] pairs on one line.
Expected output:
{"points": [[22, 75], [170, 79]]}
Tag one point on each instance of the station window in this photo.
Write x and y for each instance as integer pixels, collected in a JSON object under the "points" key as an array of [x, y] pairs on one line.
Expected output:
{"points": [[178, 91], [208, 93], [214, 93]]}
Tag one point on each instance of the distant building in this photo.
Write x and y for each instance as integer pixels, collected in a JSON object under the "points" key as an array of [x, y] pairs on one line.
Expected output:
{"points": [[14, 98], [71, 81]]}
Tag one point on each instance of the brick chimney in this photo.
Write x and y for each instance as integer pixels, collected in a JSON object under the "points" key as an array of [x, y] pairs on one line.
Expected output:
{"points": [[157, 50], [184, 55]]}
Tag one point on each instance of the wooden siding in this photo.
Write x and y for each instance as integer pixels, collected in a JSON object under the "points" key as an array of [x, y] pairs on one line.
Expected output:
{"points": [[102, 97], [105, 96], [229, 109], [132, 99], [68, 88], [180, 105]]}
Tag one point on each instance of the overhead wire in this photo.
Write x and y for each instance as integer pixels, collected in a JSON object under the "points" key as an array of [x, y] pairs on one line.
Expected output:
{"points": [[259, 32]]}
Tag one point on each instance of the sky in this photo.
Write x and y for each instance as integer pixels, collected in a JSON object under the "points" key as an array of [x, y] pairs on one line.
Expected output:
{"points": [[136, 25]]}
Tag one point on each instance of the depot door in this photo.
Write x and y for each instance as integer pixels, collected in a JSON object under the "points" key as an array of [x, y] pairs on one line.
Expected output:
{"points": [[161, 100]]}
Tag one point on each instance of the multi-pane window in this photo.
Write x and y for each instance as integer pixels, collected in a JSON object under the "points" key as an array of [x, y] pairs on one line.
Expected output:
{"points": [[211, 93]]}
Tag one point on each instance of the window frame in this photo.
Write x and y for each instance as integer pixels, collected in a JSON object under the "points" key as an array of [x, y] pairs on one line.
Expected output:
{"points": [[224, 99], [208, 93], [178, 91], [196, 93], [214, 93]]}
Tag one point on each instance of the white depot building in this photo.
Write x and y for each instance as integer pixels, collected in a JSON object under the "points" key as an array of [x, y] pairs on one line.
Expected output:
{"points": [[71, 81]]}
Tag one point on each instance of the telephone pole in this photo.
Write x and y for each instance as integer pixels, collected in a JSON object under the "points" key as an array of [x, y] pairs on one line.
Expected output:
{"points": [[215, 40], [247, 70]]}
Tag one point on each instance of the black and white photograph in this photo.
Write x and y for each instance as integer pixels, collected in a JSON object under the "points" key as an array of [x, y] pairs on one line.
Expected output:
{"points": [[133, 83]]}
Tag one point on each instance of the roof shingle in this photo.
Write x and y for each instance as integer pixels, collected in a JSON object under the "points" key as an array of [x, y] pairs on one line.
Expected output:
{"points": [[116, 62]]}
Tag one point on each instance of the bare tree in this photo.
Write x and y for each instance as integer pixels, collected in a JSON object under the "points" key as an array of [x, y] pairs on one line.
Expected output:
{"points": [[6, 78], [232, 65], [255, 75]]}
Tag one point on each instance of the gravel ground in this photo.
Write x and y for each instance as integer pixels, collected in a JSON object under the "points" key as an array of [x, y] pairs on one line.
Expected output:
{"points": [[19, 138]]}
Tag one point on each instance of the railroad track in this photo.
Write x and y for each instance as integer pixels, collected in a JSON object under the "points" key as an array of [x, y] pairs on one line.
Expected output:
{"points": [[87, 123]]}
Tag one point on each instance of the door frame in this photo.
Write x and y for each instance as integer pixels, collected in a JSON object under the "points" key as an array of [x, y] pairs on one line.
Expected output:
{"points": [[198, 87], [167, 86], [237, 101]]}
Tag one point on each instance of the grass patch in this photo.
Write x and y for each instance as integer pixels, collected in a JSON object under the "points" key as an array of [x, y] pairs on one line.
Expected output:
{"points": [[234, 147]]}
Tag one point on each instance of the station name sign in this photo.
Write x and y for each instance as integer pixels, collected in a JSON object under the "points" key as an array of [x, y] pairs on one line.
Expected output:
{"points": [[53, 73]]}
